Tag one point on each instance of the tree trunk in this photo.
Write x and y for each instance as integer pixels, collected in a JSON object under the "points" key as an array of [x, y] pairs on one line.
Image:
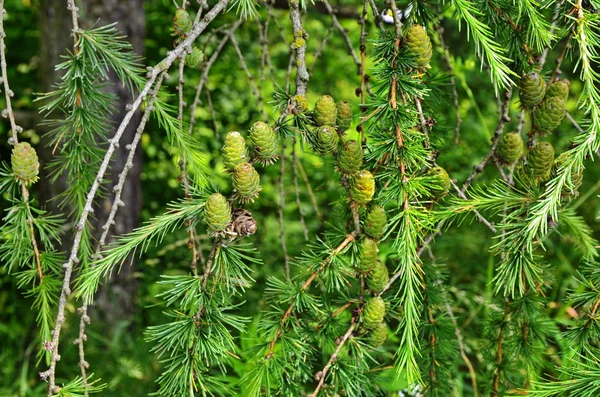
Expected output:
{"points": [[116, 299]]}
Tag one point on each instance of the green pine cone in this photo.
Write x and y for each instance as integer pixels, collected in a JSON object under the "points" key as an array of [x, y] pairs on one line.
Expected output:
{"points": [[440, 182], [540, 160], [350, 158], [325, 111], [192, 60], [549, 114], [246, 183], [264, 141], [326, 139], [532, 89], [378, 335], [368, 255], [182, 23], [373, 312], [419, 45], [362, 187], [25, 163], [234, 150], [375, 222], [559, 88], [217, 212], [576, 176], [301, 102], [510, 148], [344, 116], [378, 277]]}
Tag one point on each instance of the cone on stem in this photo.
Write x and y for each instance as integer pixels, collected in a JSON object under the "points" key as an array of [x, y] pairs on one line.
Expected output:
{"points": [[378, 277], [325, 139], [217, 212], [325, 111], [378, 335], [374, 225], [246, 183], [440, 182], [234, 150], [362, 187], [373, 312], [368, 255], [419, 45], [350, 158], [25, 163], [549, 114], [540, 160], [532, 89], [264, 142], [344, 116], [510, 148]]}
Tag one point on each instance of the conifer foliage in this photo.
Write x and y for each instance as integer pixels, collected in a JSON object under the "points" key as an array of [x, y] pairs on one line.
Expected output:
{"points": [[368, 308]]}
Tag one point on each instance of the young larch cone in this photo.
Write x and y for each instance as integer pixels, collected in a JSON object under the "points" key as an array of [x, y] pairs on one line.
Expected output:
{"points": [[25, 163], [532, 89], [440, 182], [540, 160], [419, 45], [374, 225], [246, 183], [350, 158], [217, 212], [559, 88], [344, 116], [326, 139], [510, 148], [362, 187], [234, 150], [378, 335], [182, 23], [549, 114], [378, 277], [368, 255], [325, 111], [264, 142], [373, 312]]}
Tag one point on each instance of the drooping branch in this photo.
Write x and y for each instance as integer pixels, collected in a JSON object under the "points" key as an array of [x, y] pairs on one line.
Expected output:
{"points": [[73, 259]]}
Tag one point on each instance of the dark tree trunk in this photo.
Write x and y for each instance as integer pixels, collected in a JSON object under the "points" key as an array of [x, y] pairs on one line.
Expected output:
{"points": [[116, 299]]}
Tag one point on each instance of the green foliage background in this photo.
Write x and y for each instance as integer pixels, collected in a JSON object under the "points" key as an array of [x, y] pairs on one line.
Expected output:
{"points": [[128, 367]]}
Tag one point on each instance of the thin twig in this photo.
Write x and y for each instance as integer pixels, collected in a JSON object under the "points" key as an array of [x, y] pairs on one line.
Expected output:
{"points": [[450, 63], [337, 250], [297, 189], [323, 373], [503, 119], [153, 73], [280, 209], [461, 349]]}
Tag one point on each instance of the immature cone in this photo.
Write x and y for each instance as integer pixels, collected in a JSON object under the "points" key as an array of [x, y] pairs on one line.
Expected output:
{"points": [[350, 158], [325, 111], [344, 116], [532, 88], [373, 312], [325, 139], [264, 141], [540, 160], [182, 23], [375, 222], [440, 182], [368, 255], [549, 114], [301, 102], [378, 277], [234, 150], [192, 60], [559, 88], [362, 187], [25, 164], [419, 45], [378, 335], [217, 212], [246, 183], [576, 176], [510, 148]]}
